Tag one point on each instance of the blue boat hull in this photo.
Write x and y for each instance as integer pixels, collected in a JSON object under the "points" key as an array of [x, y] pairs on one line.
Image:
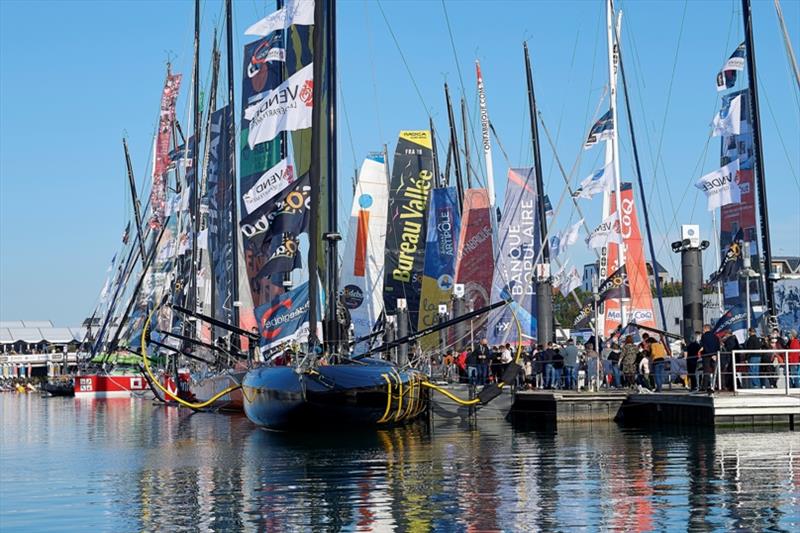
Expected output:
{"points": [[333, 397]]}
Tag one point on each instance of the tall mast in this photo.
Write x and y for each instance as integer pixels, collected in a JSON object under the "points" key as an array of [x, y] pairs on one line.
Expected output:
{"points": [[195, 215], [544, 291], [136, 205], [466, 142], [231, 121], [487, 143], [641, 187], [332, 237], [454, 146], [439, 178], [286, 277], [612, 88], [758, 167]]}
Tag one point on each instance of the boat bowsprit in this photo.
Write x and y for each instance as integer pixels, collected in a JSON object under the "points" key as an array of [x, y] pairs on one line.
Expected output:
{"points": [[365, 393]]}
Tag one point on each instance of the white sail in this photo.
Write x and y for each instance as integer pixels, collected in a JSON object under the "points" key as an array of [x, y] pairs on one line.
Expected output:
{"points": [[362, 263]]}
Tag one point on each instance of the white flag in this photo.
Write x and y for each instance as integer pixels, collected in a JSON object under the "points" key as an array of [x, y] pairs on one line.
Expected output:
{"points": [[560, 242], [599, 181], [728, 121], [570, 282], [607, 232], [294, 12], [268, 185], [720, 186], [285, 108]]}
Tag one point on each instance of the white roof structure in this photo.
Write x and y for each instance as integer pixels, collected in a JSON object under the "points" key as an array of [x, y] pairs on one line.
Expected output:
{"points": [[25, 324], [35, 331]]}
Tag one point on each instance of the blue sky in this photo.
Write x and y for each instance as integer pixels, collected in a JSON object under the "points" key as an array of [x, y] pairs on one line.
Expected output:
{"points": [[77, 76]]}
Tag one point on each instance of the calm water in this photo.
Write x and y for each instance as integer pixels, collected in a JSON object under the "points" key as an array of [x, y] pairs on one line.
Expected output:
{"points": [[126, 465]]}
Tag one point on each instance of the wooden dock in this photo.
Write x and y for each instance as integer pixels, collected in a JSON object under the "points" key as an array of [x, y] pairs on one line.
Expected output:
{"points": [[677, 407]]}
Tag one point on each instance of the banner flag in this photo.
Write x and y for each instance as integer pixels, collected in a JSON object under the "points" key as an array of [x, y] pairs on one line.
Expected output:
{"points": [[271, 182], [284, 319], [607, 232], [569, 282], [287, 212], [721, 186], [615, 286], [599, 181], [732, 262], [726, 78], [284, 256], [286, 108], [603, 129], [735, 321], [294, 12], [728, 121], [561, 241], [161, 160]]}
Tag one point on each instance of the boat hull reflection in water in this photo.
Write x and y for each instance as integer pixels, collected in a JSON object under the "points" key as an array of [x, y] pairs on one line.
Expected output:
{"points": [[363, 394], [127, 465]]}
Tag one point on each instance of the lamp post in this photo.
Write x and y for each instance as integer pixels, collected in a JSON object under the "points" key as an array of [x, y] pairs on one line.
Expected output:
{"points": [[690, 248]]}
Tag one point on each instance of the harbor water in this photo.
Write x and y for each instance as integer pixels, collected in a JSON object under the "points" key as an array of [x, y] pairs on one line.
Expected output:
{"points": [[129, 465]]}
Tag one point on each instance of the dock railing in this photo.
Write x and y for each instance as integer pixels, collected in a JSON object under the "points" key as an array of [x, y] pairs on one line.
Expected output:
{"points": [[752, 375]]}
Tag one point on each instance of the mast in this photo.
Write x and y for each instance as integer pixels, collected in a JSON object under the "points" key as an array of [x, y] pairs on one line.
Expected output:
{"points": [[487, 143], [454, 147], [439, 178], [231, 121], [544, 291], [614, 152], [758, 166], [195, 215], [134, 198], [332, 236], [466, 142], [641, 187]]}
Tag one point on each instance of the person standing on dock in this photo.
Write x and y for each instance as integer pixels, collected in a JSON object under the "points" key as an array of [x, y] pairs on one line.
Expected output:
{"points": [[753, 358], [472, 366], [483, 354], [692, 352], [709, 343], [629, 354], [658, 354], [571, 365]]}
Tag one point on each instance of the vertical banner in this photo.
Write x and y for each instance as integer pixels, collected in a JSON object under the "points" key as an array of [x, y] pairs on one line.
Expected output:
{"points": [[161, 159], [362, 263], [438, 276], [519, 243], [406, 228], [285, 319], [740, 216], [475, 260], [639, 308], [261, 74], [219, 176]]}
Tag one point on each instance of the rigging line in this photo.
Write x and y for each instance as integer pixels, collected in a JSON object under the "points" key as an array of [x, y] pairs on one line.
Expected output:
{"points": [[373, 72], [347, 122], [787, 43], [780, 136], [453, 48], [403, 57]]}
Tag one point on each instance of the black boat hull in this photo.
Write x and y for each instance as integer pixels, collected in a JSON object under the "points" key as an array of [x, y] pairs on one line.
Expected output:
{"points": [[333, 397]]}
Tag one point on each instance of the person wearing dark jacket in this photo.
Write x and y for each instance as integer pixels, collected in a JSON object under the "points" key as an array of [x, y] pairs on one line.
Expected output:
{"points": [[753, 358], [483, 354], [729, 344], [472, 367], [692, 351], [709, 343], [558, 367]]}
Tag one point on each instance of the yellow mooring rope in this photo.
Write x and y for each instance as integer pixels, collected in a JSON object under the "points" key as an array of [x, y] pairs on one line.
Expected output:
{"points": [[163, 389]]}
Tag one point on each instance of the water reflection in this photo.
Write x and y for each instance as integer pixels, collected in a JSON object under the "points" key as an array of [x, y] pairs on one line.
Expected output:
{"points": [[128, 465]]}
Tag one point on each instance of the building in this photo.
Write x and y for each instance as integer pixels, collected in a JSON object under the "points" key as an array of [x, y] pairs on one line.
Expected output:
{"points": [[590, 272], [663, 275], [36, 347]]}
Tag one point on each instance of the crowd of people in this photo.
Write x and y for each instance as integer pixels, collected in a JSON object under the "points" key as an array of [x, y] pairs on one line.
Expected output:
{"points": [[649, 363]]}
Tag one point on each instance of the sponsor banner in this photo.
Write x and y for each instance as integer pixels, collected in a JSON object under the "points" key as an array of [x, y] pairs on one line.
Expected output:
{"points": [[738, 220], [726, 78], [720, 186], [602, 130], [731, 261], [286, 108], [219, 198], [271, 182], [284, 255], [606, 233], [364, 249], [639, 307], [293, 12], [287, 212], [735, 320], [161, 158], [787, 304], [475, 260], [729, 119], [616, 285], [514, 276], [284, 319], [569, 281], [486, 140], [585, 317], [406, 229], [444, 223], [599, 181]]}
